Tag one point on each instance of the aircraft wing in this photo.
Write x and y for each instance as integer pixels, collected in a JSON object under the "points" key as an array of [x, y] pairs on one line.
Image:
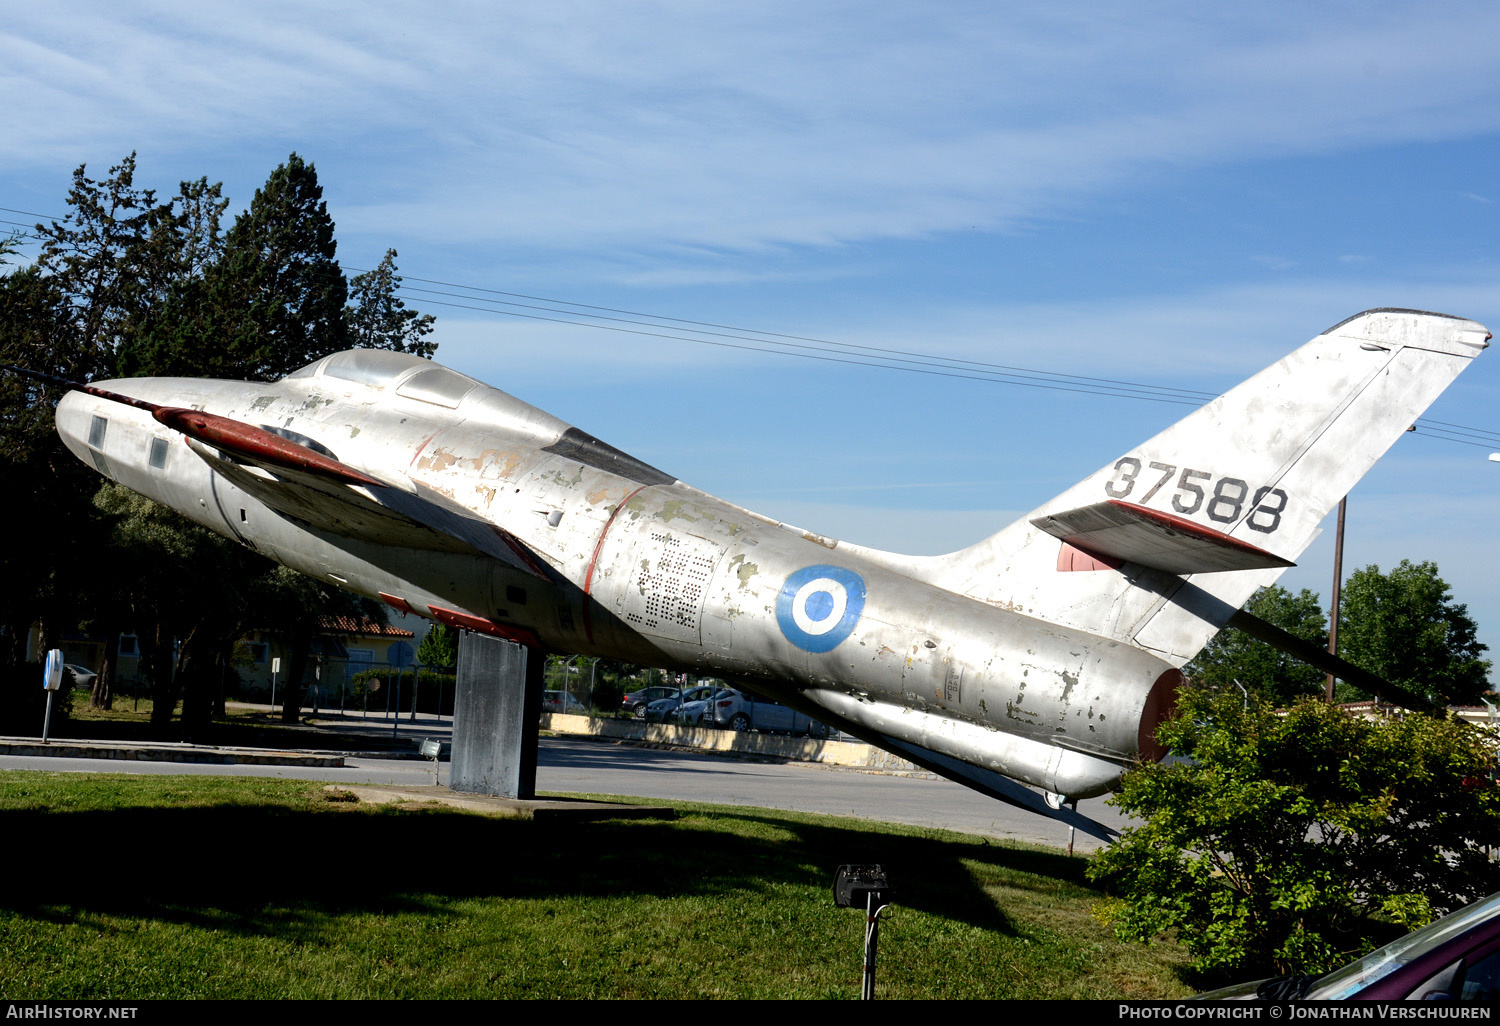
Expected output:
{"points": [[300, 482], [365, 508]]}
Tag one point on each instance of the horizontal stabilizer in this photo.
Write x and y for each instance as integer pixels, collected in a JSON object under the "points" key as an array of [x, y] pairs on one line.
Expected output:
{"points": [[1127, 532]]}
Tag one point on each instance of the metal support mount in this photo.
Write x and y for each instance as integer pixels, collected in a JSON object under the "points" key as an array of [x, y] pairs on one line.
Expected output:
{"points": [[496, 713]]}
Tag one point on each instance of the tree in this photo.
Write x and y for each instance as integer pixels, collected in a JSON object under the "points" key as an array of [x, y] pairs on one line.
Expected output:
{"points": [[112, 260], [48, 575], [1233, 656], [440, 647], [275, 300], [1292, 842], [1405, 628], [127, 285], [99, 286], [174, 339], [183, 590], [379, 318], [10, 245]]}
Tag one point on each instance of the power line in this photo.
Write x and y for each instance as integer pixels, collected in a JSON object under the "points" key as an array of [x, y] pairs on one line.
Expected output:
{"points": [[33, 213], [805, 338], [755, 340], [726, 336], [800, 342], [825, 357]]}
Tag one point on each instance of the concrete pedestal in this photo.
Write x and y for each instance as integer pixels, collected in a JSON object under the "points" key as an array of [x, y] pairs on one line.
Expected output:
{"points": [[496, 712]]}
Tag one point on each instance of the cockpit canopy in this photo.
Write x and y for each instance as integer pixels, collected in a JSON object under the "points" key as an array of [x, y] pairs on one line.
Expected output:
{"points": [[410, 376]]}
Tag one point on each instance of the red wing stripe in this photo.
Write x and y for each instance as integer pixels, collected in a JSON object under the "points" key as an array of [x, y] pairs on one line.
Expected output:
{"points": [[397, 602], [470, 622], [257, 444]]}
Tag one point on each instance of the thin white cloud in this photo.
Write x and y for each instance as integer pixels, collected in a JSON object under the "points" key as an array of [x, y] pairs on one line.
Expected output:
{"points": [[664, 124]]}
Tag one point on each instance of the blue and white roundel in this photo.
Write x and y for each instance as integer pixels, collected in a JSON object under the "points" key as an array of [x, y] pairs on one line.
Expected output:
{"points": [[819, 606]]}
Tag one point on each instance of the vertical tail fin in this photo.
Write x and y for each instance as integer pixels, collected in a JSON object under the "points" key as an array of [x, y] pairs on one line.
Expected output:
{"points": [[1159, 548]]}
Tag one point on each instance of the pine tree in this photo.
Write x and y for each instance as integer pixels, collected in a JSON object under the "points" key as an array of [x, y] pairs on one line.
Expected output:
{"points": [[378, 319], [277, 295], [113, 260], [440, 647]]}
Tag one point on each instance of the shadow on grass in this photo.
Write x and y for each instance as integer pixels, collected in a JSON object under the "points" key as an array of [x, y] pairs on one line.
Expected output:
{"points": [[262, 868]]}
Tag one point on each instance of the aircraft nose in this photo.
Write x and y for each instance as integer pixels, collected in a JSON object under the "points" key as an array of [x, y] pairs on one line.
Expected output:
{"points": [[83, 424], [74, 412]]}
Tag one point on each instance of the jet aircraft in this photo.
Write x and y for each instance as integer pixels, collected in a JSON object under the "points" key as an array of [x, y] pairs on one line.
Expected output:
{"points": [[1046, 654]]}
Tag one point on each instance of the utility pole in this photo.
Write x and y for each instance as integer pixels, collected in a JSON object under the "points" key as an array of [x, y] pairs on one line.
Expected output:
{"points": [[1338, 579]]}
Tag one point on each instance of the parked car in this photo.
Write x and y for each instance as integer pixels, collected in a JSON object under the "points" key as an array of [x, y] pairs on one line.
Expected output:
{"points": [[562, 702], [635, 703], [1456, 958], [82, 676], [663, 709], [741, 710], [692, 714]]}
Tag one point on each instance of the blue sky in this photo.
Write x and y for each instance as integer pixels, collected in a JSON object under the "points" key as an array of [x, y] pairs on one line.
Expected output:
{"points": [[1164, 193]]}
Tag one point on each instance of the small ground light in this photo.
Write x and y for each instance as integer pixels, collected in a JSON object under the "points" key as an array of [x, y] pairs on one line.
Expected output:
{"points": [[864, 887], [433, 750]]}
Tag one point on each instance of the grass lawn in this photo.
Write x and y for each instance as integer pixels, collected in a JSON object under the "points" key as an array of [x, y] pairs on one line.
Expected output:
{"points": [[177, 887]]}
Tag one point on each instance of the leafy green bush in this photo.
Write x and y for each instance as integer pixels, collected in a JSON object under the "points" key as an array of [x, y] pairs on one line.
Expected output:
{"points": [[1294, 842]]}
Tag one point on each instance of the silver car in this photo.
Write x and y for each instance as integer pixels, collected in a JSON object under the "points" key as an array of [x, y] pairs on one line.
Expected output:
{"points": [[664, 710], [741, 710]]}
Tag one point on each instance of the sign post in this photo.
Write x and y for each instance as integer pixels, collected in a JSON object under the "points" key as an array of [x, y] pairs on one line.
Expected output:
{"points": [[399, 655]]}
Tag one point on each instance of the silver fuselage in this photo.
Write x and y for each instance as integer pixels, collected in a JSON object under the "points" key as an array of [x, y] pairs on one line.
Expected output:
{"points": [[648, 570]]}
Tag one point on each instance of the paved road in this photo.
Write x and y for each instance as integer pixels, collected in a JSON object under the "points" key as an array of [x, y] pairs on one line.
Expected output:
{"points": [[610, 768]]}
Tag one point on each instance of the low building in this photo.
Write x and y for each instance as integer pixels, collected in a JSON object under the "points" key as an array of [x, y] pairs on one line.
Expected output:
{"points": [[341, 647]]}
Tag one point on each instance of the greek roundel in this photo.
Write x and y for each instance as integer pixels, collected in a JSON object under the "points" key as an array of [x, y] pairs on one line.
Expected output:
{"points": [[819, 606]]}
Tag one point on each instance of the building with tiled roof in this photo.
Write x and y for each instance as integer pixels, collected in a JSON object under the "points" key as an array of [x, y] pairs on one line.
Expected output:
{"points": [[342, 647], [362, 628]]}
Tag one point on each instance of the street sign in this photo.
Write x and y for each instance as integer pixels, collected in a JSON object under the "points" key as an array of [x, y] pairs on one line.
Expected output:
{"points": [[52, 671]]}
